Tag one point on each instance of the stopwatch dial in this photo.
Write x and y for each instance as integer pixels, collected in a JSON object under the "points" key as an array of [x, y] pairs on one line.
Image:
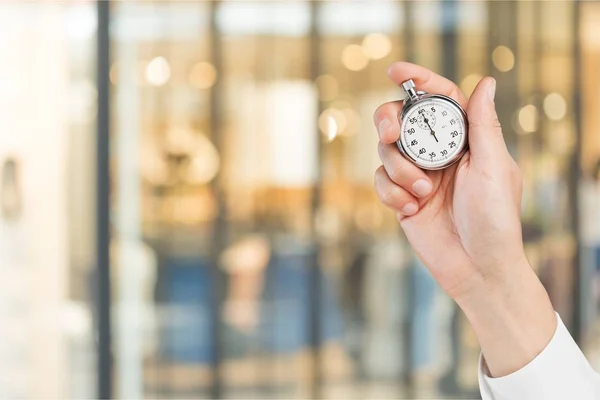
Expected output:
{"points": [[426, 119], [433, 131]]}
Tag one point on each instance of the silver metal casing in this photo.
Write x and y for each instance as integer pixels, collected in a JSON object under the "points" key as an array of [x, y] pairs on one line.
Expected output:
{"points": [[411, 102]]}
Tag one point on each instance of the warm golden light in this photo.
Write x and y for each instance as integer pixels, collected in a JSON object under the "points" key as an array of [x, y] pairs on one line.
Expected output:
{"points": [[469, 83], [180, 140], [114, 73], [528, 118], [555, 106], [332, 129], [332, 123], [250, 254], [204, 158], [327, 86], [503, 58], [203, 75], [354, 58], [158, 71], [153, 166], [376, 46], [205, 162], [352, 120]]}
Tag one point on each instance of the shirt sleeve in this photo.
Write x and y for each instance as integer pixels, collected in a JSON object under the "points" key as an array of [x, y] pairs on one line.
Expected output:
{"points": [[560, 371]]}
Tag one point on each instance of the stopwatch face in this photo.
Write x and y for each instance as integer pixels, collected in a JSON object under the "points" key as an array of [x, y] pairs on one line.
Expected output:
{"points": [[433, 132]]}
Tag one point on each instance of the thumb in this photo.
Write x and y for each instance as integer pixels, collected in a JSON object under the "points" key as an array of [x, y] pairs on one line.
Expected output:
{"points": [[485, 133]]}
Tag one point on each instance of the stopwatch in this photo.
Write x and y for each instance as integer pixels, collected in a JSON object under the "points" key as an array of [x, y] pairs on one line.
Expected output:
{"points": [[433, 129]]}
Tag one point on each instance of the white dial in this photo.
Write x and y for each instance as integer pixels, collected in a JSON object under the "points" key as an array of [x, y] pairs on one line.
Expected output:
{"points": [[433, 132]]}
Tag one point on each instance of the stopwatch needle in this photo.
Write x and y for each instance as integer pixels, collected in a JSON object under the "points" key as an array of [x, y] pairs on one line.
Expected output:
{"points": [[432, 131]]}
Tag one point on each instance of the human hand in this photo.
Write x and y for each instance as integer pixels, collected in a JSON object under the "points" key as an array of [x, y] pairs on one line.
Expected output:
{"points": [[463, 222]]}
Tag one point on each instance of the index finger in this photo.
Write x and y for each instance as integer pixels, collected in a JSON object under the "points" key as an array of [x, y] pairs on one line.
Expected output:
{"points": [[426, 80]]}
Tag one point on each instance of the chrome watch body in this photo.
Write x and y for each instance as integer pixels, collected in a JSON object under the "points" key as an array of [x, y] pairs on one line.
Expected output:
{"points": [[419, 100]]}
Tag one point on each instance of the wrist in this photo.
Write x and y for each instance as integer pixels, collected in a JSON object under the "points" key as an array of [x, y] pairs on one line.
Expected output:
{"points": [[496, 287], [512, 317]]}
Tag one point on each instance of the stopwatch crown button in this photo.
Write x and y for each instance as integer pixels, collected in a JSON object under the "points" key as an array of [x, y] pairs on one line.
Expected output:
{"points": [[409, 88], [408, 85]]}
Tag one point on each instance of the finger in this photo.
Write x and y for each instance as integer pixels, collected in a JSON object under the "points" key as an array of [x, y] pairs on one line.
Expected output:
{"points": [[404, 173], [425, 80], [393, 196], [485, 133], [386, 121]]}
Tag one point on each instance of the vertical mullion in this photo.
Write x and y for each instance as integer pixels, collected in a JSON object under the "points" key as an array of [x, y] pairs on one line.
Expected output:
{"points": [[103, 289], [450, 71], [574, 176], [449, 39], [219, 237], [408, 36], [315, 275]]}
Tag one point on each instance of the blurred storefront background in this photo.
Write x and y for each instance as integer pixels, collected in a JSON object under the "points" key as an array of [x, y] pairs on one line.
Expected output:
{"points": [[249, 256]]}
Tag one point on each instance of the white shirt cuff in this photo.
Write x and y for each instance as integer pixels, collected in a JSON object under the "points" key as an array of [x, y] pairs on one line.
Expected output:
{"points": [[560, 371]]}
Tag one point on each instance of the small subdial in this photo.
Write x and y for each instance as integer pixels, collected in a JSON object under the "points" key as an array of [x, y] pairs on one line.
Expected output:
{"points": [[426, 120]]}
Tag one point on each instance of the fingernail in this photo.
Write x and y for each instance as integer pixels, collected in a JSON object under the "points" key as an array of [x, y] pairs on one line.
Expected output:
{"points": [[492, 89], [410, 209], [383, 126], [421, 187]]}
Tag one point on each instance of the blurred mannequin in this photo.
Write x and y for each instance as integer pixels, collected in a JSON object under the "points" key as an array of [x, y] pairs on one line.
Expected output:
{"points": [[245, 262]]}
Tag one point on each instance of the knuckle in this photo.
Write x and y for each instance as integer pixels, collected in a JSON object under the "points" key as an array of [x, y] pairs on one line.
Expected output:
{"points": [[475, 124], [390, 197], [493, 125], [496, 124], [398, 173], [389, 109], [378, 114], [378, 179]]}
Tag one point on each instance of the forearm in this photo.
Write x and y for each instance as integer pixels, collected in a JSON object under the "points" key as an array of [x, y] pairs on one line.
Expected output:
{"points": [[513, 319]]}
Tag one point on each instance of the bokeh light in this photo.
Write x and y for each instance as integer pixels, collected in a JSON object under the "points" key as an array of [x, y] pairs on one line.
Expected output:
{"points": [[332, 128], [376, 46], [158, 71], [528, 118], [555, 106], [332, 122], [205, 163], [203, 75], [469, 83], [503, 58], [354, 58]]}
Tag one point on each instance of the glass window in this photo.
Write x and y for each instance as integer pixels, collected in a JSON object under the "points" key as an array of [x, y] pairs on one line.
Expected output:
{"points": [[244, 157]]}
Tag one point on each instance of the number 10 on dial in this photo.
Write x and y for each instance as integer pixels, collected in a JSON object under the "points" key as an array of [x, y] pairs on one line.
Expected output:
{"points": [[433, 129]]}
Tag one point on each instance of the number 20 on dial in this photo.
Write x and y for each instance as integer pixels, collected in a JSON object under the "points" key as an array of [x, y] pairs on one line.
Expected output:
{"points": [[433, 129]]}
